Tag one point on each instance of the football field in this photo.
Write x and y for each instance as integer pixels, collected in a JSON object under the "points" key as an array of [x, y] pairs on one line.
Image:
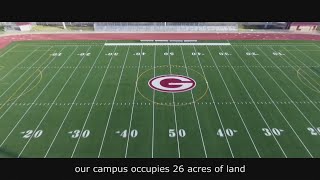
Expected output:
{"points": [[81, 99]]}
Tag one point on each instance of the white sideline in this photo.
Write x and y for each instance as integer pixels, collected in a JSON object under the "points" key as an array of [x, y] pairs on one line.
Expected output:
{"points": [[167, 44]]}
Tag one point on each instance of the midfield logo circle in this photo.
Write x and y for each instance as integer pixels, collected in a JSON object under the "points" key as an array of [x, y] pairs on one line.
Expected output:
{"points": [[172, 83]]}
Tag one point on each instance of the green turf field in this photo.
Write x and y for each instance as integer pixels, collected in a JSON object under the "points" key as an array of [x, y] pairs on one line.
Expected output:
{"points": [[87, 99]]}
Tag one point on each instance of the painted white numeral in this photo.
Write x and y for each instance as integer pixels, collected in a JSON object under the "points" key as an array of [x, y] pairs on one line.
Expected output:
{"points": [[197, 54], [56, 54], [181, 133], [84, 54], [134, 133], [278, 54], [167, 54], [224, 54], [274, 131], [138, 54], [251, 54], [37, 133], [314, 131], [112, 54], [77, 133], [124, 134], [172, 133], [29, 133], [85, 133], [228, 132]]}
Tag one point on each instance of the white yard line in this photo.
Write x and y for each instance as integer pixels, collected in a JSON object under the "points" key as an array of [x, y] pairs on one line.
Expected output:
{"points": [[64, 119], [295, 84], [316, 45], [214, 103], [306, 55], [20, 94], [243, 122], [295, 65], [134, 98], [51, 104], [24, 73], [255, 106], [32, 102], [20, 63], [272, 100], [153, 97], [305, 65], [9, 50], [194, 105], [115, 95], [284, 91], [174, 110], [94, 100]]}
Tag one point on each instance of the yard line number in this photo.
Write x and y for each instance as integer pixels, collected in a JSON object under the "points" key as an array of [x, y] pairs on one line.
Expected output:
{"points": [[173, 133], [228, 132], [125, 133], [112, 54], [314, 131], [168, 53], [224, 54], [77, 133], [84, 54], [197, 54], [251, 54], [139, 54], [278, 54], [273, 131], [31, 134], [56, 54]]}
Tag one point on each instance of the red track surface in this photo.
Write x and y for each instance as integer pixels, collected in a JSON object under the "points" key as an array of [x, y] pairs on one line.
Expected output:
{"points": [[5, 40]]}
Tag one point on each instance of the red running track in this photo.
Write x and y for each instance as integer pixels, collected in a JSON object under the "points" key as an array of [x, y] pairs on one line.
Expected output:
{"points": [[5, 40]]}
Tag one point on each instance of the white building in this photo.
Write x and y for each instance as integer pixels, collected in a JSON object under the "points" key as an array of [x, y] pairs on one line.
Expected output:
{"points": [[24, 26]]}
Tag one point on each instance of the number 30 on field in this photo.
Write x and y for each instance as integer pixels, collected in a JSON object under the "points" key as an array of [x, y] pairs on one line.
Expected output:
{"points": [[273, 131], [77, 133]]}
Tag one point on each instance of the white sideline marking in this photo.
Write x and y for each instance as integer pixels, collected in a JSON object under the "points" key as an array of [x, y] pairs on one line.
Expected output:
{"points": [[167, 44]]}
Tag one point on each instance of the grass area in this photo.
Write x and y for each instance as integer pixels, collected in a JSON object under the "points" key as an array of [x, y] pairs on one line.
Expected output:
{"points": [[83, 99]]}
